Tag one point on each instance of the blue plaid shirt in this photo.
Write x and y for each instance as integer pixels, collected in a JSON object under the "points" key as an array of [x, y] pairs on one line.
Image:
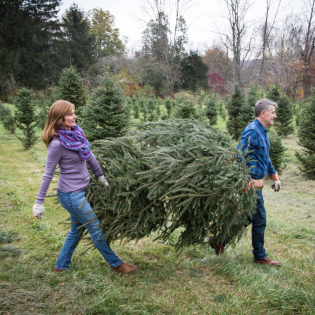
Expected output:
{"points": [[255, 137]]}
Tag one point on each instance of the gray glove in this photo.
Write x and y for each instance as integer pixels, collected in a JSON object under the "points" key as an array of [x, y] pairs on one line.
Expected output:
{"points": [[102, 181], [38, 210], [276, 185], [276, 182]]}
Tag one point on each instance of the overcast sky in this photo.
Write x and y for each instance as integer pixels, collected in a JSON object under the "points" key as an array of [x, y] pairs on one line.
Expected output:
{"points": [[202, 19]]}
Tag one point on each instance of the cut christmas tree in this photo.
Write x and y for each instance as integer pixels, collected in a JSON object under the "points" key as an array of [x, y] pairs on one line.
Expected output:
{"points": [[172, 175]]}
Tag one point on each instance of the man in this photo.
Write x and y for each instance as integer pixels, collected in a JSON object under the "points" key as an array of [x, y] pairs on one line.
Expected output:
{"points": [[255, 138]]}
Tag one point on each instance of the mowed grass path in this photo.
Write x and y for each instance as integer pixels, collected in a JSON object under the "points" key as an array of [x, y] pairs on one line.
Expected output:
{"points": [[194, 281]]}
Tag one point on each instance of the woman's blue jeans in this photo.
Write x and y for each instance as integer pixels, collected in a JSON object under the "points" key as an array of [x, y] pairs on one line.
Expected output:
{"points": [[81, 213]]}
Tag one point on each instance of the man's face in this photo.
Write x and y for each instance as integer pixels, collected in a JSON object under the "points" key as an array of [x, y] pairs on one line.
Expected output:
{"points": [[267, 117]]}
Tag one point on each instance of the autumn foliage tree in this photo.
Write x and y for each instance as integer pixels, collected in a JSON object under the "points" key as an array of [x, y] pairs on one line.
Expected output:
{"points": [[220, 67], [105, 33]]}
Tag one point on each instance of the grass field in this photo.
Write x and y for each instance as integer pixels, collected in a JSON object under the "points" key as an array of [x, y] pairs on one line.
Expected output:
{"points": [[194, 281]]}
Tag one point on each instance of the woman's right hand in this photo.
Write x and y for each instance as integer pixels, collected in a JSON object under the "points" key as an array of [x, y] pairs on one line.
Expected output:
{"points": [[38, 210]]}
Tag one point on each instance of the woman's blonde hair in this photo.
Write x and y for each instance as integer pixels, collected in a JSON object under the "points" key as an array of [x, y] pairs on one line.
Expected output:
{"points": [[55, 119]]}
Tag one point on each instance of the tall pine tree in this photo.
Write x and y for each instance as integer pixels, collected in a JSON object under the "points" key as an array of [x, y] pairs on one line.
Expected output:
{"points": [[28, 33], [106, 114], [193, 72], [79, 43], [25, 117]]}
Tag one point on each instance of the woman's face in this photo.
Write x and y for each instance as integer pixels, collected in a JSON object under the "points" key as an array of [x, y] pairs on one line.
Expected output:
{"points": [[69, 120]]}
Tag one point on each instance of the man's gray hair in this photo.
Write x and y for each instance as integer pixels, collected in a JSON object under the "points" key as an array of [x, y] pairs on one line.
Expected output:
{"points": [[263, 104]]}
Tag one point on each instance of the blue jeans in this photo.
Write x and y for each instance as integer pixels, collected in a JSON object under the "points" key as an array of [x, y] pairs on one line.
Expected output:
{"points": [[81, 214], [259, 222]]}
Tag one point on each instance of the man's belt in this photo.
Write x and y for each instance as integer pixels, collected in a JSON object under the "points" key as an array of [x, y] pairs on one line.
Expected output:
{"points": [[258, 183]]}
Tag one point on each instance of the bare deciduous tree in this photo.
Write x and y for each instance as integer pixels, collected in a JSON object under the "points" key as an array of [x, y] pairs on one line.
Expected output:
{"points": [[165, 37], [303, 34], [266, 30], [236, 35]]}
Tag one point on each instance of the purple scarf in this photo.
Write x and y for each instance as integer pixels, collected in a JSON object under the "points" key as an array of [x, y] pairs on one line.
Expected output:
{"points": [[75, 140]]}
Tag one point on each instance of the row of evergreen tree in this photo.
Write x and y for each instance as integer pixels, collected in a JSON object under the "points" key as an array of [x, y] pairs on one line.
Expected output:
{"points": [[108, 112]]}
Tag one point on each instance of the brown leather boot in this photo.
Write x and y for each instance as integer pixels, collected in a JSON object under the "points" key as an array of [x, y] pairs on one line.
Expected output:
{"points": [[219, 249], [125, 268], [57, 270], [267, 261]]}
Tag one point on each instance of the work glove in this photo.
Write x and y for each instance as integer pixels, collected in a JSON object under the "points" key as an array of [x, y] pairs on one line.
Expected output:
{"points": [[276, 182], [38, 210], [103, 181]]}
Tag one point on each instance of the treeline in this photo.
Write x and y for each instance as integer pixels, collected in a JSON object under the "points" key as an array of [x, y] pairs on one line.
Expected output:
{"points": [[107, 112], [36, 46]]}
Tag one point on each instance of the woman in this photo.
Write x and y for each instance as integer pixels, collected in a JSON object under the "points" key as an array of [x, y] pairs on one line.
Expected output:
{"points": [[68, 147]]}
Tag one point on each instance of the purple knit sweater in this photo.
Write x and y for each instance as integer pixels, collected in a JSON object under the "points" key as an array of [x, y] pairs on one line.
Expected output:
{"points": [[73, 175]]}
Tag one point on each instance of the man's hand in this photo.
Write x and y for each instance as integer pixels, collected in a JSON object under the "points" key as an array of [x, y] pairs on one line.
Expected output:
{"points": [[103, 181], [38, 210], [276, 182]]}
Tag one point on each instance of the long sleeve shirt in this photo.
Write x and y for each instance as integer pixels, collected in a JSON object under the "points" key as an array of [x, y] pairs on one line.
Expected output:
{"points": [[255, 137], [73, 175]]}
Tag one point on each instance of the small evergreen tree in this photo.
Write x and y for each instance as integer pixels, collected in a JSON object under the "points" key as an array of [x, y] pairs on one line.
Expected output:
{"points": [[276, 152], [134, 102], [9, 123], [211, 109], [274, 93], [151, 103], [72, 89], [169, 107], [158, 109], [145, 113], [246, 115], [106, 114], [306, 136], [252, 97], [152, 117], [141, 104], [234, 125], [4, 111], [25, 118], [136, 110], [283, 122], [186, 110]]}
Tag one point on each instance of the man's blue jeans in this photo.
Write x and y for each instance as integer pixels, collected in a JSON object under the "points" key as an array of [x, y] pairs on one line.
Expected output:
{"points": [[259, 222], [81, 215]]}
